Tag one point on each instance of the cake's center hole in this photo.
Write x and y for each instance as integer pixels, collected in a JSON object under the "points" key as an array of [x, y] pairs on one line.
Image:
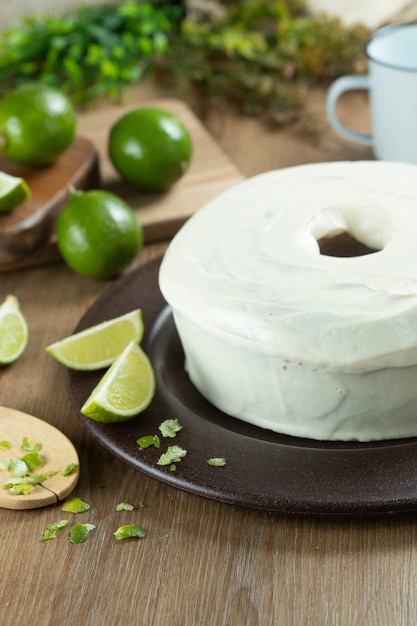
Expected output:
{"points": [[343, 245]]}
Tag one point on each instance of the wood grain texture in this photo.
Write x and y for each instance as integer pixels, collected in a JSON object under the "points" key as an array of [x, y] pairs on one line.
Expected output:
{"points": [[203, 563], [56, 452]]}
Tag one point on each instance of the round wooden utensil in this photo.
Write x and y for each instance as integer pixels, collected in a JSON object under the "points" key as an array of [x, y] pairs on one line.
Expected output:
{"points": [[56, 451]]}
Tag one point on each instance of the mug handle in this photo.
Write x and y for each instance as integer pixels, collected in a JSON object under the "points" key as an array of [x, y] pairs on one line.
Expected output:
{"points": [[339, 87]]}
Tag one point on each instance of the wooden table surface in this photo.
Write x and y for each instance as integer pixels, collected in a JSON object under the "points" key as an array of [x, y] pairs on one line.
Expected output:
{"points": [[203, 563]]}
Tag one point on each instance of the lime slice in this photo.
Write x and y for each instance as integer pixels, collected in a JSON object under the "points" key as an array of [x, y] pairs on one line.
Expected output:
{"points": [[13, 331], [125, 390], [98, 346], [13, 191]]}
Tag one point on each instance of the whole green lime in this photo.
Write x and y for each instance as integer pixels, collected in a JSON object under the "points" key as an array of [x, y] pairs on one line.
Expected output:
{"points": [[98, 234], [37, 124], [150, 148]]}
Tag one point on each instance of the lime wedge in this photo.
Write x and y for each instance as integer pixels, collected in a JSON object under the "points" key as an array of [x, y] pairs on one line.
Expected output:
{"points": [[98, 346], [13, 191], [125, 390], [13, 331]]}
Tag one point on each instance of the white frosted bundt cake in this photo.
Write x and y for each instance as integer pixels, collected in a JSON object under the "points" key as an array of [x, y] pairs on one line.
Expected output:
{"points": [[282, 330]]}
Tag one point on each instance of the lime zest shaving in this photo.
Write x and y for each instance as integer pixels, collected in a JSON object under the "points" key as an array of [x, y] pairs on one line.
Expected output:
{"points": [[19, 488], [174, 454], [76, 505], [130, 531], [18, 468], [170, 428], [32, 460], [217, 461], [13, 481], [147, 441], [36, 479], [22, 480], [52, 529], [40, 478], [68, 469], [79, 532], [22, 485], [124, 506], [14, 190], [30, 447], [6, 445]]}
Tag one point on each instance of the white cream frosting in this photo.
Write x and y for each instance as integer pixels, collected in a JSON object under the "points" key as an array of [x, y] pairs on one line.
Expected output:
{"points": [[290, 339]]}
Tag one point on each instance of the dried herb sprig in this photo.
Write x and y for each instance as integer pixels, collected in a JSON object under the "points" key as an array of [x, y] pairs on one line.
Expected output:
{"points": [[262, 56]]}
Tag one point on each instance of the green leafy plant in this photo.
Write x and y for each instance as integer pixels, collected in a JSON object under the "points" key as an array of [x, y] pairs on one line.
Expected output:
{"points": [[95, 51], [261, 56]]}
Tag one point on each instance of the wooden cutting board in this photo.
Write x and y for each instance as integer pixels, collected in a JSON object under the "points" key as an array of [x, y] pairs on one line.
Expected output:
{"points": [[29, 226], [161, 215], [56, 452]]}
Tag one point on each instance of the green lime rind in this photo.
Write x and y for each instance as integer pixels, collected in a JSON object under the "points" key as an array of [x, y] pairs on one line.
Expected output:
{"points": [[13, 191], [75, 505], [79, 532], [125, 390], [130, 531], [98, 234], [37, 124], [98, 346], [14, 331], [174, 454], [170, 427], [217, 461], [150, 148], [53, 528]]}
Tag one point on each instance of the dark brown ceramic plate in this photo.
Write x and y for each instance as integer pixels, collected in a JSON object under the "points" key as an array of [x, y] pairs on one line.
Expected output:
{"points": [[264, 470]]}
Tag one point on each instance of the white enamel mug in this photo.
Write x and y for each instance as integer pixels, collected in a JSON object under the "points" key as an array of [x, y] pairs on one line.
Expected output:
{"points": [[392, 85]]}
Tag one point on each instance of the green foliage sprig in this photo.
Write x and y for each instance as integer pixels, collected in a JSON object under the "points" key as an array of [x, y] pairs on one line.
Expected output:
{"points": [[261, 56], [95, 51]]}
